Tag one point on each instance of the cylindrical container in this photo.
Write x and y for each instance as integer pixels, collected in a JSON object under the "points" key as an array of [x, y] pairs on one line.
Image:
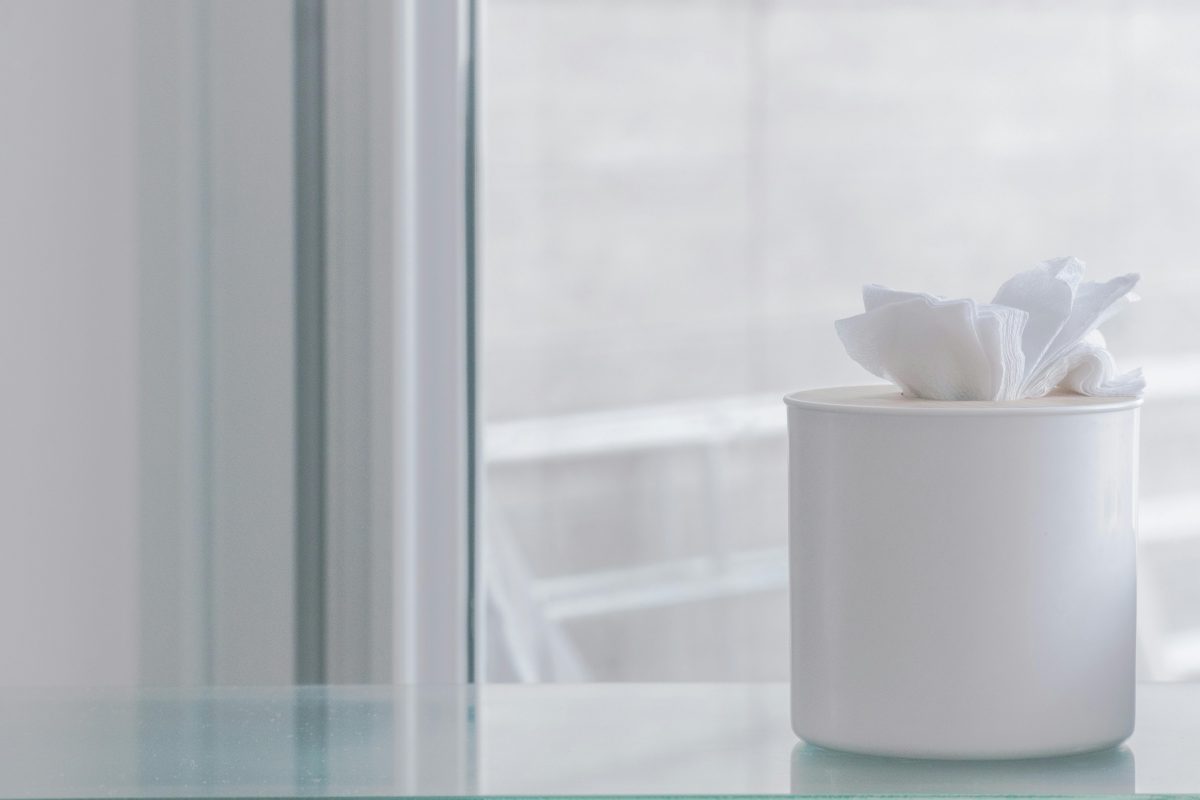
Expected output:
{"points": [[962, 573]]}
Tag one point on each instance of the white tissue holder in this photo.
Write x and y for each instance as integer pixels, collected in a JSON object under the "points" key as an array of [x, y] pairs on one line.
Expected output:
{"points": [[962, 573]]}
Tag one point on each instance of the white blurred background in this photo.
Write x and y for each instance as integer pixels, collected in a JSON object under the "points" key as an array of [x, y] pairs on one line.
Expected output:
{"points": [[676, 199], [680, 196]]}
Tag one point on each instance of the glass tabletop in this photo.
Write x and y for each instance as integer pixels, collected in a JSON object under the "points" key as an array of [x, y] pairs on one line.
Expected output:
{"points": [[509, 740]]}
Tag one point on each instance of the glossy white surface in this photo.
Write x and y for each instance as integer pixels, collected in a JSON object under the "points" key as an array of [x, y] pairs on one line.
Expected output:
{"points": [[963, 584], [887, 398], [504, 740]]}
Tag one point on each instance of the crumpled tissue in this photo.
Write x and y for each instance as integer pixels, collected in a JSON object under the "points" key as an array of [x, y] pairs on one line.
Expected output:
{"points": [[1039, 333]]}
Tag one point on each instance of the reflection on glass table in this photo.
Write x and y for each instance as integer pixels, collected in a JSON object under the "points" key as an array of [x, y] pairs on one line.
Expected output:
{"points": [[816, 771], [506, 740]]}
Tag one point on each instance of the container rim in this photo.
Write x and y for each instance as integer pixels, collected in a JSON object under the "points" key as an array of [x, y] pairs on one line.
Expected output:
{"points": [[887, 399]]}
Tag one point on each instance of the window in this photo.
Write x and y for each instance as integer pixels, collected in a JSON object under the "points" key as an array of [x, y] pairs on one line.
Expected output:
{"points": [[678, 198], [675, 200]]}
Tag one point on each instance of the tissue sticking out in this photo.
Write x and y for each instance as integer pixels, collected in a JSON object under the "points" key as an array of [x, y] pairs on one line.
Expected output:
{"points": [[1039, 333]]}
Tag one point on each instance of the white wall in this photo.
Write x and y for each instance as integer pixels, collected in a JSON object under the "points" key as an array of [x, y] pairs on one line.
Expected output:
{"points": [[68, 344], [146, 342]]}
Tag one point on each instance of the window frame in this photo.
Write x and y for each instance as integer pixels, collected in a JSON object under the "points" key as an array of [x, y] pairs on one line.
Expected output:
{"points": [[308, 503], [400, 91]]}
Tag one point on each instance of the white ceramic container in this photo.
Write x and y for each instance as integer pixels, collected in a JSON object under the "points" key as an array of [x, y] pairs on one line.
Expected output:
{"points": [[962, 573]]}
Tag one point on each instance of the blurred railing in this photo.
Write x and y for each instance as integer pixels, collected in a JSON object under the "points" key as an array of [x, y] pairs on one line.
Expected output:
{"points": [[1168, 652]]}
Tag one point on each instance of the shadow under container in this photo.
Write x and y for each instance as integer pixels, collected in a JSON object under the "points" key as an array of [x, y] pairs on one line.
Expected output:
{"points": [[963, 578]]}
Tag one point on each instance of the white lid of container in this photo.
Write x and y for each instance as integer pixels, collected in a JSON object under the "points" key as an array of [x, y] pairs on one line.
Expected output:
{"points": [[887, 399]]}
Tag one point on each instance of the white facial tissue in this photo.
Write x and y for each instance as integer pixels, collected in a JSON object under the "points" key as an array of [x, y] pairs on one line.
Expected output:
{"points": [[1039, 333]]}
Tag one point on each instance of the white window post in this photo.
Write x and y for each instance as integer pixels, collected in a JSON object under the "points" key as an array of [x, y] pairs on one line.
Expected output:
{"points": [[401, 408], [307, 342]]}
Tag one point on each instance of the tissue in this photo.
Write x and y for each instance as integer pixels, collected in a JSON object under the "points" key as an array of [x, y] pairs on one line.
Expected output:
{"points": [[1038, 334]]}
